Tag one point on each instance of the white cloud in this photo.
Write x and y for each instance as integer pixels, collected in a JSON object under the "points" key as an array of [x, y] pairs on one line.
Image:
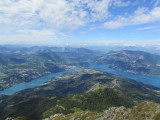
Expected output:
{"points": [[61, 14], [157, 30], [43, 20], [129, 45], [46, 19], [99, 9], [120, 3], [126, 42], [141, 16], [55, 14], [42, 37], [147, 28], [35, 37]]}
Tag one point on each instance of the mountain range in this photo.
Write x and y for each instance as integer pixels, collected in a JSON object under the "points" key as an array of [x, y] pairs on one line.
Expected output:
{"points": [[137, 62], [85, 94]]}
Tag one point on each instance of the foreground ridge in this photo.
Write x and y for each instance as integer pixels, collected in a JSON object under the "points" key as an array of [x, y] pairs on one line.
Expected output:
{"points": [[144, 111]]}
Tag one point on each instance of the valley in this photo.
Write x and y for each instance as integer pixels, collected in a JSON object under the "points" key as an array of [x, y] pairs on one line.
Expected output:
{"points": [[21, 65], [77, 91], [79, 59], [60, 83]]}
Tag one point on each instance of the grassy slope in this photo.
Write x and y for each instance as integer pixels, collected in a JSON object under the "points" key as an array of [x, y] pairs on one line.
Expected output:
{"points": [[36, 107]]}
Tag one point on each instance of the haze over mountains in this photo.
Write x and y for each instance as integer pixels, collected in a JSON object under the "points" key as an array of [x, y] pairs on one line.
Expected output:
{"points": [[78, 91], [24, 64], [79, 59]]}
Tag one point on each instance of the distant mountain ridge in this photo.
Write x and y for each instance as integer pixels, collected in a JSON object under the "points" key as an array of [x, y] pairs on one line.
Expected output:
{"points": [[18, 68], [137, 62], [23, 64], [80, 94]]}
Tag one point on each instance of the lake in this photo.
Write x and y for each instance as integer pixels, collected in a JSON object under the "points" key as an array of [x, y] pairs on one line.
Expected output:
{"points": [[147, 79], [34, 83]]}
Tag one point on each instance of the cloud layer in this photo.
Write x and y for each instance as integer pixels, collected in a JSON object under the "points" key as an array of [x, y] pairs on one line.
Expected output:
{"points": [[140, 16], [56, 14], [51, 18]]}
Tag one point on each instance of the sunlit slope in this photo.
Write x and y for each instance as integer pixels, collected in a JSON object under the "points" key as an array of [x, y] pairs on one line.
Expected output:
{"points": [[137, 62]]}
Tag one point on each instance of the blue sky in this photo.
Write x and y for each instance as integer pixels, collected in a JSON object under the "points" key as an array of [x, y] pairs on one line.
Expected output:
{"points": [[80, 22]]}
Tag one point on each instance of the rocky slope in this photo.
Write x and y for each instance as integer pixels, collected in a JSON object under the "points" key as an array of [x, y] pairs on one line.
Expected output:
{"points": [[143, 111]]}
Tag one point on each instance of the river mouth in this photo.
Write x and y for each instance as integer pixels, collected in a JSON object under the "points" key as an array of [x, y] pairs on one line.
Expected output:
{"points": [[147, 79]]}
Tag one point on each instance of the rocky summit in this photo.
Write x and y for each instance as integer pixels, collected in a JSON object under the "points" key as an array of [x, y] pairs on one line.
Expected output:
{"points": [[146, 110]]}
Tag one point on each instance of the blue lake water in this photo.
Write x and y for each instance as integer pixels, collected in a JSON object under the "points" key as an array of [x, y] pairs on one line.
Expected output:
{"points": [[34, 83], [147, 79]]}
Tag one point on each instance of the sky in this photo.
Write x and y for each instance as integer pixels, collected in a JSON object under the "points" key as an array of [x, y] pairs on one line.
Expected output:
{"points": [[80, 22]]}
